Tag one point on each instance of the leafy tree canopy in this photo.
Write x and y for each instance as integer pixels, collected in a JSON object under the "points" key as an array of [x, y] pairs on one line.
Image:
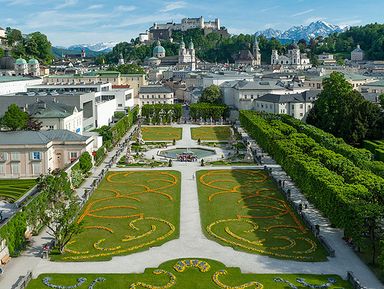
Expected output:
{"points": [[212, 94], [344, 112], [14, 118]]}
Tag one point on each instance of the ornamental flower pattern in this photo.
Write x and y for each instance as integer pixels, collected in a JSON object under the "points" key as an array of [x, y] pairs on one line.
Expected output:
{"points": [[262, 221], [120, 203]]}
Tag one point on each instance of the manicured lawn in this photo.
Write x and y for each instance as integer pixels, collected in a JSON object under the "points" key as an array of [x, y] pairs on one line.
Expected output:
{"points": [[161, 133], [244, 209], [129, 212], [211, 133], [12, 190], [199, 274]]}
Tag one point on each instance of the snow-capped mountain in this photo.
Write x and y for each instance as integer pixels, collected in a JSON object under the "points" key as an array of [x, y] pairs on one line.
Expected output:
{"points": [[315, 29], [98, 47]]}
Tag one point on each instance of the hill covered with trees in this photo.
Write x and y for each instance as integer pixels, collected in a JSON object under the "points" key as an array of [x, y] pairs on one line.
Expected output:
{"points": [[35, 45], [216, 48]]}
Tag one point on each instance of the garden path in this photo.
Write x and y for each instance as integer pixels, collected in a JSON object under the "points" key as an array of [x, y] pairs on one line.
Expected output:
{"points": [[193, 243]]}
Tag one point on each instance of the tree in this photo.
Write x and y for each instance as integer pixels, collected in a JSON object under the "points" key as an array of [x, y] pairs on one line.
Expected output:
{"points": [[13, 36], [85, 161], [14, 118], [129, 69], [212, 94], [381, 100], [344, 112], [33, 124], [62, 208], [60, 221]]}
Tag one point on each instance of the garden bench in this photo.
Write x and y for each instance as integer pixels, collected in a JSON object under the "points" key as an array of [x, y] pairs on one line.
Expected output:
{"points": [[5, 259]]}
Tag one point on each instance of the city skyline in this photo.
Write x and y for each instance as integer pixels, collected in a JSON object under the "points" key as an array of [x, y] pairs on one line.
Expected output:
{"points": [[68, 22]]}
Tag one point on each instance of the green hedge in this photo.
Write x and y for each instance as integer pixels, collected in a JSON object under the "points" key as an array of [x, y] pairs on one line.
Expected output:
{"points": [[124, 124], [345, 193], [153, 110], [206, 111]]}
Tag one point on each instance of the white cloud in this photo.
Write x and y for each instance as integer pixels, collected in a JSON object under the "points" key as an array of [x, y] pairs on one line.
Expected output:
{"points": [[173, 6], [66, 3], [303, 12], [95, 6], [269, 8], [123, 8]]}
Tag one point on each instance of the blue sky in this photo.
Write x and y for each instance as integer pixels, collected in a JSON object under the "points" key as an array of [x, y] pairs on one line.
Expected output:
{"points": [[69, 22]]}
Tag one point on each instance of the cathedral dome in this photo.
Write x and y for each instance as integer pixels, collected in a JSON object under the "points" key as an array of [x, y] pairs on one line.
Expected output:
{"points": [[21, 61], [7, 62], [158, 49], [33, 61]]}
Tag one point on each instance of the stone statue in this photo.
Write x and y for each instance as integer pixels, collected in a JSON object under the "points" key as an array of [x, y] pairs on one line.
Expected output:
{"points": [[211, 120], [249, 154], [128, 156], [221, 120], [139, 134]]}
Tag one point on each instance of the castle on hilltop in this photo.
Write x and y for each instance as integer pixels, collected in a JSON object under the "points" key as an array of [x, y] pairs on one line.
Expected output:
{"points": [[164, 31]]}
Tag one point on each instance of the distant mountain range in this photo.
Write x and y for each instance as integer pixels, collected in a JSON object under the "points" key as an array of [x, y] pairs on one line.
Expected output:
{"points": [[91, 50], [98, 47], [313, 30]]}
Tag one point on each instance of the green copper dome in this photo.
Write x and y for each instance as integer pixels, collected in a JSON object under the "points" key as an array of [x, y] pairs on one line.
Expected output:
{"points": [[20, 61], [33, 61]]}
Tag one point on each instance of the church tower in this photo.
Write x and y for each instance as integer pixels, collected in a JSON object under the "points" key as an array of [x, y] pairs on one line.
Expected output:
{"points": [[274, 57], [296, 56], [192, 54], [256, 52]]}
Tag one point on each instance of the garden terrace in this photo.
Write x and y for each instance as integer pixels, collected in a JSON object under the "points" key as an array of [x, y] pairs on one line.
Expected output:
{"points": [[12, 190], [211, 133], [129, 212], [161, 133], [349, 195], [244, 209], [189, 273]]}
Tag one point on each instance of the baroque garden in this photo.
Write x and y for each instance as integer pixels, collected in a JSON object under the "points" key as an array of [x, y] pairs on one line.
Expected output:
{"points": [[191, 224]]}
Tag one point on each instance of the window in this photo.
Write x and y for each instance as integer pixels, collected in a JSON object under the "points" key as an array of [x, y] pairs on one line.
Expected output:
{"points": [[119, 105], [72, 156], [15, 168], [36, 156], [51, 127], [3, 156], [301, 114], [15, 156], [293, 106], [36, 168], [2, 169], [301, 106]]}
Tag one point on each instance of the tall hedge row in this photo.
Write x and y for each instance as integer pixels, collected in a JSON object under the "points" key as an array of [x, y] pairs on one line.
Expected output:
{"points": [[345, 193], [124, 124]]}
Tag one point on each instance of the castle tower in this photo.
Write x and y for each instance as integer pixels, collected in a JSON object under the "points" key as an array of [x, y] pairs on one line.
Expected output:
{"points": [[256, 52]]}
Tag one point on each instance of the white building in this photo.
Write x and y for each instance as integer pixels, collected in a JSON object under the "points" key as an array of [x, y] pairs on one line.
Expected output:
{"points": [[326, 59], [357, 54], [296, 105], [294, 58], [187, 56], [54, 115], [242, 95], [14, 84], [156, 94]]}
